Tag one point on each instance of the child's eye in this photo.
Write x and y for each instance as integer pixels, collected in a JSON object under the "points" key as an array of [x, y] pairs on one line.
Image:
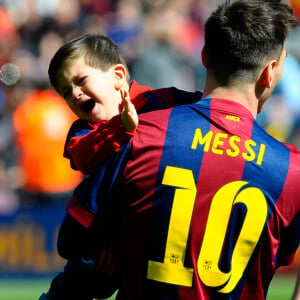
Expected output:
{"points": [[81, 80]]}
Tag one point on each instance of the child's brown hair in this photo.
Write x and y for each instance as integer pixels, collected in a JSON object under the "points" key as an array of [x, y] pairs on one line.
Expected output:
{"points": [[98, 51]]}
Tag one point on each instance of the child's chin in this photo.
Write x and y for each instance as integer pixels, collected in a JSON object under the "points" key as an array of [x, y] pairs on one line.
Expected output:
{"points": [[93, 117]]}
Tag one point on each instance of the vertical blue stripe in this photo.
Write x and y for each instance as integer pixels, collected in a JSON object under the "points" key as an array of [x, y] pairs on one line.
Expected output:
{"points": [[271, 175]]}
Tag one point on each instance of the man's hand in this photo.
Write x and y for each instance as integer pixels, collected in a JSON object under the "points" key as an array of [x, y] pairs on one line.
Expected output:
{"points": [[129, 115]]}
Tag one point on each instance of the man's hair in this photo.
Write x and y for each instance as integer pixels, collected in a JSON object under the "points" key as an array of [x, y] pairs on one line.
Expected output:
{"points": [[242, 35], [98, 51]]}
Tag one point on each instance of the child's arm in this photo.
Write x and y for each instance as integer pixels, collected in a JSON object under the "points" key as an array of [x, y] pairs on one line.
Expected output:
{"points": [[89, 145]]}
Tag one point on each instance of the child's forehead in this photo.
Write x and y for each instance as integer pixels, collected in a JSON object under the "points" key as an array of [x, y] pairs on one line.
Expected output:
{"points": [[66, 74], [71, 66]]}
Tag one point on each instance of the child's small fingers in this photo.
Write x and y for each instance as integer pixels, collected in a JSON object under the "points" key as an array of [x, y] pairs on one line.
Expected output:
{"points": [[124, 95], [122, 92]]}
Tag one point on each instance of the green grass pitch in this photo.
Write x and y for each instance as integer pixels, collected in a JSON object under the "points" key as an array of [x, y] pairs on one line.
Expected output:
{"points": [[30, 289]]}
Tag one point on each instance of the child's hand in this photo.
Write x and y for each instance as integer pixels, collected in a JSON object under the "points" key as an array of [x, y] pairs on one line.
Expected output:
{"points": [[129, 115]]}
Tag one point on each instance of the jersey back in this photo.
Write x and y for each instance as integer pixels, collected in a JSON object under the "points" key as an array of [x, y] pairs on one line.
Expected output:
{"points": [[208, 205]]}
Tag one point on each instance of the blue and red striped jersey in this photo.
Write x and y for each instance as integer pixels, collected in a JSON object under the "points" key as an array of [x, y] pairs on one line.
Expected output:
{"points": [[206, 202]]}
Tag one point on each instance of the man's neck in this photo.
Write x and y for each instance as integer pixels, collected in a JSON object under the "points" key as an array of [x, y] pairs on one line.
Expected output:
{"points": [[245, 97]]}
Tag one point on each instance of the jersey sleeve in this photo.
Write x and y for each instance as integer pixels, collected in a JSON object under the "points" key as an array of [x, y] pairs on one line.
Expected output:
{"points": [[172, 96], [290, 242], [288, 205], [92, 196], [89, 145]]}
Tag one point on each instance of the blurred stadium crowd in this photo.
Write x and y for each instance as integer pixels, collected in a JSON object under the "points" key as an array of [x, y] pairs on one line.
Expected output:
{"points": [[161, 41]]}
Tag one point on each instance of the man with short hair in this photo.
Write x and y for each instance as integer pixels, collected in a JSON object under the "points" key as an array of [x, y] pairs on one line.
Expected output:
{"points": [[203, 202]]}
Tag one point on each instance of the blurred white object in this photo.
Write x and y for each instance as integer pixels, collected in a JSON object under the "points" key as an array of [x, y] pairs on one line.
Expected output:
{"points": [[9, 74]]}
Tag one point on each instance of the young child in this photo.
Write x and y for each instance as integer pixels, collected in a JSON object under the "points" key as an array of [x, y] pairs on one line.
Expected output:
{"points": [[91, 75]]}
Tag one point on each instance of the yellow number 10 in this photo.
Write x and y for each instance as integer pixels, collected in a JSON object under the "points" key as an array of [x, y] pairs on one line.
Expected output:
{"points": [[172, 269]]}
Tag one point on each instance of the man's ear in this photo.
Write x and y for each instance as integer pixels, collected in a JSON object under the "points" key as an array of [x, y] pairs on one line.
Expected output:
{"points": [[120, 73], [203, 57], [267, 73]]}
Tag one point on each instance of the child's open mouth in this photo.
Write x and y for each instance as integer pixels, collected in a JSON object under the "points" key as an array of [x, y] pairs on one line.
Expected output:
{"points": [[87, 106]]}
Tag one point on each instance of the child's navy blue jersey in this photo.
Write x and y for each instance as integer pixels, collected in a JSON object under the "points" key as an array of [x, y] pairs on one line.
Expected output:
{"points": [[206, 204]]}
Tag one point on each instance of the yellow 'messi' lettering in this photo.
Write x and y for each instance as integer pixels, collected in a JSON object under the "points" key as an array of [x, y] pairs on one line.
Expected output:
{"points": [[234, 149], [202, 140], [215, 142], [218, 142]]}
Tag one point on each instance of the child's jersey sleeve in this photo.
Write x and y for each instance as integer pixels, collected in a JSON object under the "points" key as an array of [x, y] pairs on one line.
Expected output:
{"points": [[88, 145]]}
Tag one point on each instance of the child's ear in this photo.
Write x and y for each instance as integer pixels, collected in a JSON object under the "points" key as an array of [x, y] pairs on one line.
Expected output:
{"points": [[120, 73]]}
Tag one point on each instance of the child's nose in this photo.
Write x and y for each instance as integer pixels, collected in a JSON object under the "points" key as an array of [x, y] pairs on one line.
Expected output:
{"points": [[77, 92]]}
